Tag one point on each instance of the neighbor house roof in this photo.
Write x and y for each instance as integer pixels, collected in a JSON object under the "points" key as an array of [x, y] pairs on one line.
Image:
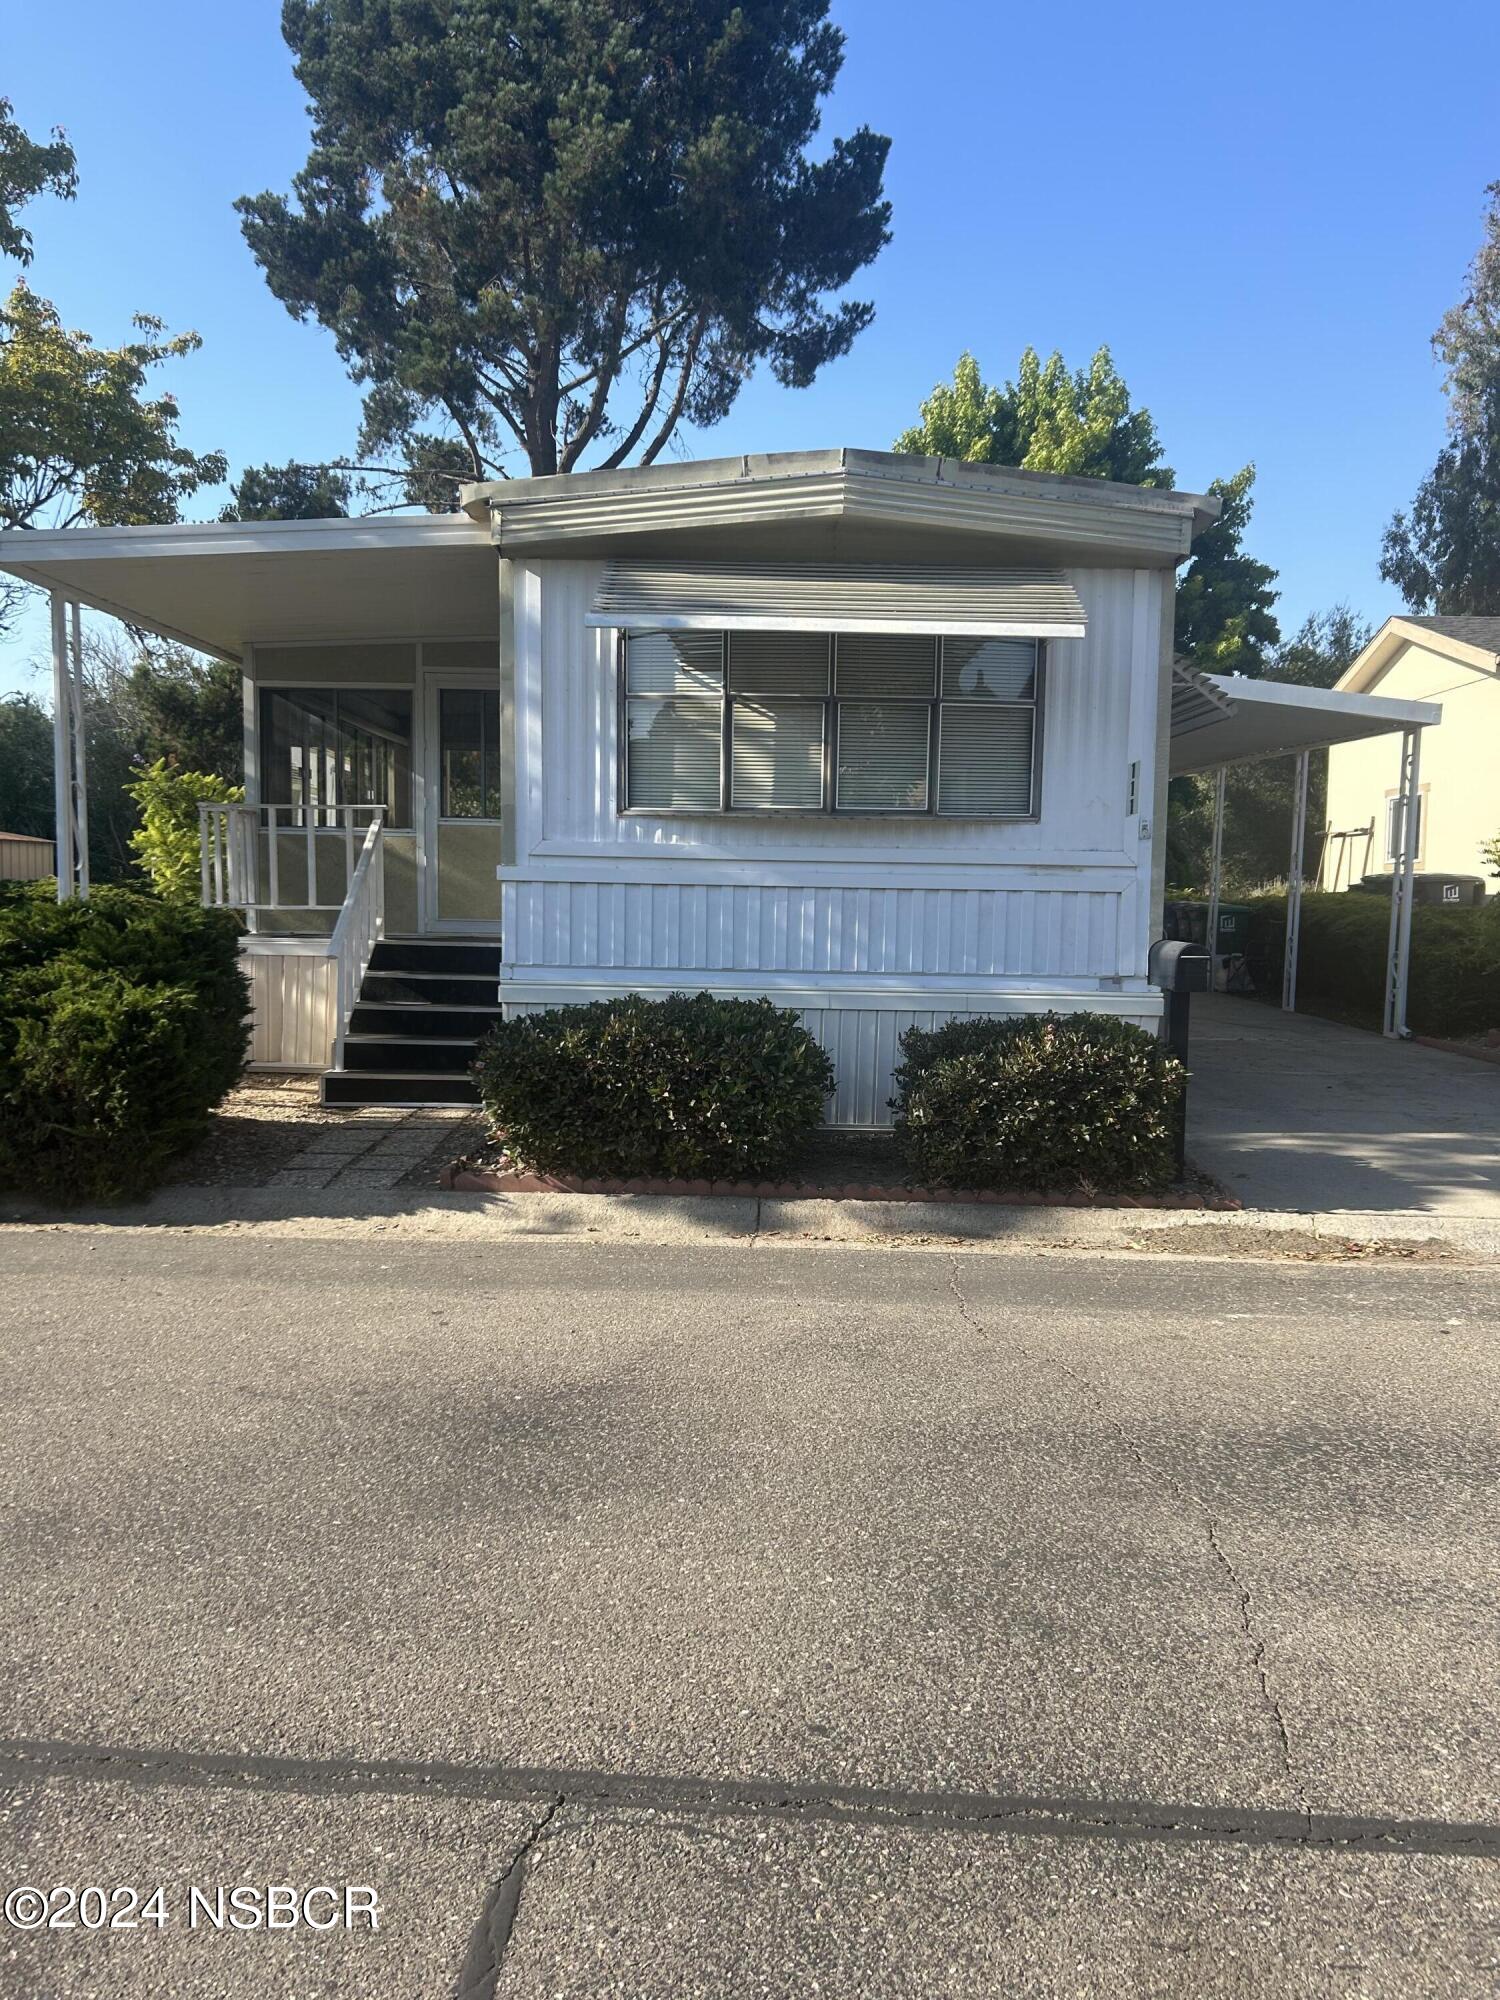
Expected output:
{"points": [[1474, 630], [1470, 640]]}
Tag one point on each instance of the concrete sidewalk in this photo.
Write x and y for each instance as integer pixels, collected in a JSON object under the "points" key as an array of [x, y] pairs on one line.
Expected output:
{"points": [[1294, 1113]]}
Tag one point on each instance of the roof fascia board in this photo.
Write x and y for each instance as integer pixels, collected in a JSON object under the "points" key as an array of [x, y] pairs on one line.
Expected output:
{"points": [[1165, 535], [29, 547]]}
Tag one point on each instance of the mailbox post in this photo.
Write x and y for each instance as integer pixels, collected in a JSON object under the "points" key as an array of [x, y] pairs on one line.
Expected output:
{"points": [[1179, 970]]}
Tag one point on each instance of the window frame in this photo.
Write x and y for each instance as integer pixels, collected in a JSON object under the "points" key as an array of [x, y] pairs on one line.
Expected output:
{"points": [[1393, 801], [830, 701], [276, 684]]}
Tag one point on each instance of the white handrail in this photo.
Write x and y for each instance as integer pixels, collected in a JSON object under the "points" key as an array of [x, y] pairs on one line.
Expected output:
{"points": [[238, 843], [360, 927]]}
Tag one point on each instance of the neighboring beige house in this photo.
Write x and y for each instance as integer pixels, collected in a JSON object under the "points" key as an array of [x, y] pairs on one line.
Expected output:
{"points": [[25, 859], [1454, 661]]}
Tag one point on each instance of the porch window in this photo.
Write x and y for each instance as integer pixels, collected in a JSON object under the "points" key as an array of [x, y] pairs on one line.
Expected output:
{"points": [[469, 730], [337, 747], [819, 722]]}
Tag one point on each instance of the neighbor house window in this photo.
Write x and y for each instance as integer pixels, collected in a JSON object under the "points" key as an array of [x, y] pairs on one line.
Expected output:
{"points": [[814, 722], [1393, 828], [337, 747]]}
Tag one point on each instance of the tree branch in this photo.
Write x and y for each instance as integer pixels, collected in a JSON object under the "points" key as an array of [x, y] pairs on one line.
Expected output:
{"points": [[674, 413], [633, 436]]}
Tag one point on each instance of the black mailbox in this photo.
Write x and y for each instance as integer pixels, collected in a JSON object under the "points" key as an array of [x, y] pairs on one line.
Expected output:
{"points": [[1177, 967]]}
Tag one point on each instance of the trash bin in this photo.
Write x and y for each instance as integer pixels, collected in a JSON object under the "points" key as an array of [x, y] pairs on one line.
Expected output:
{"points": [[1232, 939]]}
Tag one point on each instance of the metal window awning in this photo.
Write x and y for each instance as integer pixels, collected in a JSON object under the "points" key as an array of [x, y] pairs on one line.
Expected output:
{"points": [[1228, 719], [839, 597]]}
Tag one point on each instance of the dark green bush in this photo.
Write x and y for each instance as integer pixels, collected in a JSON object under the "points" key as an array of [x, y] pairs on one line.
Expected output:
{"points": [[1037, 1101], [122, 1024], [688, 1086], [1454, 985]]}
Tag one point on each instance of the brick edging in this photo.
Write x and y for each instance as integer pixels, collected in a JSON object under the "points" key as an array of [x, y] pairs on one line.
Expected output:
{"points": [[471, 1180]]}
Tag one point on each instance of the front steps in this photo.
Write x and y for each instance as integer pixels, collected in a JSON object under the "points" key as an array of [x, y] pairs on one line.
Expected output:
{"points": [[423, 1005]]}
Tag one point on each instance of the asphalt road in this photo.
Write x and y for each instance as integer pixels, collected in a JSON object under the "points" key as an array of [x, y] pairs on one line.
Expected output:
{"points": [[651, 1622]]}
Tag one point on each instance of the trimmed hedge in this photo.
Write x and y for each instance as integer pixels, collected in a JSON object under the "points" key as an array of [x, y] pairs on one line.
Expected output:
{"points": [[123, 1022], [1454, 985], [1038, 1102], [689, 1086]]}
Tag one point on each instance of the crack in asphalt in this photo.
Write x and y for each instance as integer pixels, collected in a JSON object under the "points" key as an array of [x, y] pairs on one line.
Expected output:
{"points": [[479, 1974], [1159, 1476]]}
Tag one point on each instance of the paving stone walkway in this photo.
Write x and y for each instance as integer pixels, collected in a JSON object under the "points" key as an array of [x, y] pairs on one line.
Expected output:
{"points": [[376, 1146], [272, 1132]]}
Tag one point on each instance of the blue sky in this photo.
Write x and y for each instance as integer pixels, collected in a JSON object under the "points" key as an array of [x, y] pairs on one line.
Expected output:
{"points": [[1262, 210]]}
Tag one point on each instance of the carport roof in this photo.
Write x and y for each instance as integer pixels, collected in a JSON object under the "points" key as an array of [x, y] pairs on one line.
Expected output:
{"points": [[222, 585], [1229, 719]]}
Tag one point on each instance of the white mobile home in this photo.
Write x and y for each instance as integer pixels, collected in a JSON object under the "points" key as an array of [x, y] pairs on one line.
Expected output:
{"points": [[882, 737]]}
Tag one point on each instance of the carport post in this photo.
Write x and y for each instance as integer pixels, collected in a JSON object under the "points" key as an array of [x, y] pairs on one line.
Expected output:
{"points": [[1402, 889], [68, 767], [1294, 888], [1215, 874]]}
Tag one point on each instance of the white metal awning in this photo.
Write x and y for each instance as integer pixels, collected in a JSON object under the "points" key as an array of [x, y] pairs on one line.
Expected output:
{"points": [[839, 597], [1227, 719], [221, 586]]}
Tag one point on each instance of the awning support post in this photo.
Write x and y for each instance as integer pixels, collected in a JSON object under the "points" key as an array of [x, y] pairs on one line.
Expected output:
{"points": [[69, 755], [1215, 878], [1402, 886], [1294, 887]]}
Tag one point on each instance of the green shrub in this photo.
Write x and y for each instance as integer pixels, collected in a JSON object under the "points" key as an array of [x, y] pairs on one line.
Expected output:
{"points": [[166, 843], [1453, 988], [122, 1024], [1037, 1102], [688, 1086]]}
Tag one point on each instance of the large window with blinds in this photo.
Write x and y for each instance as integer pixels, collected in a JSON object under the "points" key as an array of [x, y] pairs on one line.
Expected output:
{"points": [[815, 722]]}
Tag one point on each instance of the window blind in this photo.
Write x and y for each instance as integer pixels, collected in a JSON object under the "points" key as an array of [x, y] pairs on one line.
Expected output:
{"points": [[672, 753], [883, 756], [776, 755], [985, 759]]}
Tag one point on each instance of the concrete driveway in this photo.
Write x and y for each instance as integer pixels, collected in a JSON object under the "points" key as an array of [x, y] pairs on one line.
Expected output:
{"points": [[1292, 1112], [748, 1621]]}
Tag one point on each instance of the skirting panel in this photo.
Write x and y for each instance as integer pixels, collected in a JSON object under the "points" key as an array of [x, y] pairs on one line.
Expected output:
{"points": [[703, 927], [295, 998], [864, 1042]]}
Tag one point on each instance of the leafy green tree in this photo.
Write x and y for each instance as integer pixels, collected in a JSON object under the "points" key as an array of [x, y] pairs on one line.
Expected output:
{"points": [[1445, 554], [26, 797], [188, 710], [562, 224], [166, 843], [29, 167], [1322, 649], [1050, 419], [1225, 623], [1489, 853], [80, 439], [289, 493]]}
